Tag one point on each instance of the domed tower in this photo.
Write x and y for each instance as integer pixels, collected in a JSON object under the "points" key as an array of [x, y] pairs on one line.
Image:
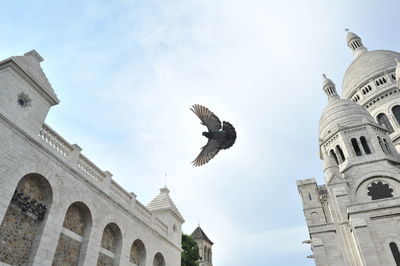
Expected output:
{"points": [[350, 217], [370, 81]]}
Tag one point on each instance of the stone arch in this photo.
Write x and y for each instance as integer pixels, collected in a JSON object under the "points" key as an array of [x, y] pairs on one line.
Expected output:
{"points": [[138, 253], [72, 244], [110, 247], [25, 219], [364, 186], [159, 260]]}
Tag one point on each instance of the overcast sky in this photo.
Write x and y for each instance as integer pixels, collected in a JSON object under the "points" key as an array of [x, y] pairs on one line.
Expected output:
{"points": [[127, 72]]}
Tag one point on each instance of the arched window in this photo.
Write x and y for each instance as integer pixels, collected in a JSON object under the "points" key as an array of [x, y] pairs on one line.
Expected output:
{"points": [[395, 252], [333, 154], [381, 144], [209, 256], [110, 245], [138, 253], [365, 145], [74, 235], [396, 113], [341, 154], [356, 147], [159, 260], [386, 146], [384, 121], [25, 219], [205, 254]]}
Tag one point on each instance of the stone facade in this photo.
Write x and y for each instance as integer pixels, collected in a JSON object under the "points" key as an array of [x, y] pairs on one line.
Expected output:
{"points": [[354, 218], [54, 202]]}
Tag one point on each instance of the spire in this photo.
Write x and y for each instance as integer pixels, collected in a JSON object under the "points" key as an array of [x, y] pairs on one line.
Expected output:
{"points": [[398, 73], [355, 44], [329, 88]]}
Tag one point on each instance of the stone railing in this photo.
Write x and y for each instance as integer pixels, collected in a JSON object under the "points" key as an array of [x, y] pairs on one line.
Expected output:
{"points": [[120, 192], [90, 168], [55, 141], [102, 179]]}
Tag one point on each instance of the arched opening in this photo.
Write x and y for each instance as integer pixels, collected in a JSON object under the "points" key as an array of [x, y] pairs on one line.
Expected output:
{"points": [[73, 239], [386, 144], [24, 220], [396, 113], [365, 146], [379, 190], [384, 121], [138, 253], [110, 248], [382, 146], [158, 260], [333, 154], [209, 255], [314, 218], [205, 254], [341, 154], [356, 148], [395, 252]]}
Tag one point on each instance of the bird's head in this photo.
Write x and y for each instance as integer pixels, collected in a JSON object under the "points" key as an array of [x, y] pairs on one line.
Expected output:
{"points": [[206, 134]]}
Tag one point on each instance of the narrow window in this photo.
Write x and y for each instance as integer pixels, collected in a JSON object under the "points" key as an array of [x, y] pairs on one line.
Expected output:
{"points": [[386, 145], [384, 121], [356, 147], [384, 80], [396, 112], [395, 253], [365, 145], [333, 154], [381, 144], [341, 154], [309, 196]]}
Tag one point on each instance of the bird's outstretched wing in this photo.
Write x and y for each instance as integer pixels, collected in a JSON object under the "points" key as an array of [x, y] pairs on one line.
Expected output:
{"points": [[208, 118], [207, 152]]}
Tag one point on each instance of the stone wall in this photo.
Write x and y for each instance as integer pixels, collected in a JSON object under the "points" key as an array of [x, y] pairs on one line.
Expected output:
{"points": [[104, 260], [67, 252], [17, 233], [108, 241], [74, 220]]}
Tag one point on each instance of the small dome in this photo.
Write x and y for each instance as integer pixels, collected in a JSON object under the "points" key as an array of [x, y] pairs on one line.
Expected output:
{"points": [[350, 36], [366, 66], [341, 112]]}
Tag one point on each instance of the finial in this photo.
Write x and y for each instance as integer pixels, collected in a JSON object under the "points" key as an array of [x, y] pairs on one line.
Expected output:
{"points": [[198, 222], [346, 29], [323, 75]]}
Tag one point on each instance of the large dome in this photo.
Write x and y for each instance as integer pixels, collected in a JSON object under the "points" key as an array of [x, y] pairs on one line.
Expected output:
{"points": [[365, 67], [341, 112]]}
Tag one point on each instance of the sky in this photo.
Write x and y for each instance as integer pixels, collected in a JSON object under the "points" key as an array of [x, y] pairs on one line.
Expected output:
{"points": [[127, 72]]}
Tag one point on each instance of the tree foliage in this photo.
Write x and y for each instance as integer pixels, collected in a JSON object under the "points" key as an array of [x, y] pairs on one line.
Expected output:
{"points": [[190, 254]]}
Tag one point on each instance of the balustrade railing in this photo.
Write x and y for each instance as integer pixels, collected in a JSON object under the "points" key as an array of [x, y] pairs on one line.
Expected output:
{"points": [[55, 141], [120, 192]]}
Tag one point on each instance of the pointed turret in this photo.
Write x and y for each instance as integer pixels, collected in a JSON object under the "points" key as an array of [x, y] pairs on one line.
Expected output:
{"points": [[163, 202], [355, 44], [329, 88]]}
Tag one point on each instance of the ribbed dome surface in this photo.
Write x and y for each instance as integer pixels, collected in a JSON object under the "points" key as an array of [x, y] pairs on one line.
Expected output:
{"points": [[365, 67], [341, 112]]}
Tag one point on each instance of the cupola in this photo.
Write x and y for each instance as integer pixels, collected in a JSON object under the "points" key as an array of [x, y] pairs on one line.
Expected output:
{"points": [[355, 44]]}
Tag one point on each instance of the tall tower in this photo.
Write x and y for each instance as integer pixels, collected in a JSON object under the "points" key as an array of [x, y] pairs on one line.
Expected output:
{"points": [[354, 219], [205, 246]]}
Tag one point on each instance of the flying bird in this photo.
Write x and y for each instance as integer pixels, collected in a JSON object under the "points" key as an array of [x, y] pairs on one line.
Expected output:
{"points": [[220, 136]]}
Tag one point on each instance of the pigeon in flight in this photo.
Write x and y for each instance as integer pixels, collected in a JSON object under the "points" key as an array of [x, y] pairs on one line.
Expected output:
{"points": [[220, 137]]}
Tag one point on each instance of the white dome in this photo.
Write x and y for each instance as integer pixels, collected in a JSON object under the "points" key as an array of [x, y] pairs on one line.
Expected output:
{"points": [[341, 112], [367, 66]]}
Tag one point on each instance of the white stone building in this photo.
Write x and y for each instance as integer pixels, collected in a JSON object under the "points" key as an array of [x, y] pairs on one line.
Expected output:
{"points": [[354, 219], [56, 206]]}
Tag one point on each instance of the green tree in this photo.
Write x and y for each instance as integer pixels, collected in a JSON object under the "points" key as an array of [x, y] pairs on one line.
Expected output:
{"points": [[190, 254]]}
